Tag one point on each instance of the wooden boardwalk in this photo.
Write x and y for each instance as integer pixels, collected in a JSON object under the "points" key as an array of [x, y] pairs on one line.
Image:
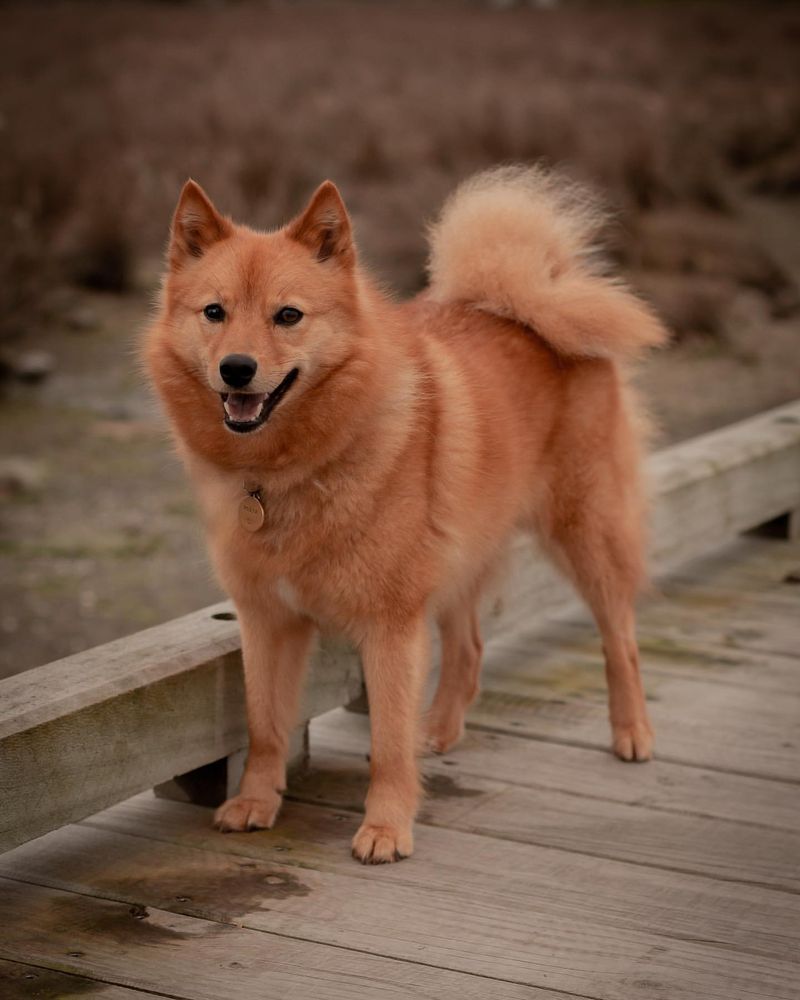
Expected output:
{"points": [[544, 868]]}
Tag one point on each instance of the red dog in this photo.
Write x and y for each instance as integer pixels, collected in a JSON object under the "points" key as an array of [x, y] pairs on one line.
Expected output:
{"points": [[383, 454]]}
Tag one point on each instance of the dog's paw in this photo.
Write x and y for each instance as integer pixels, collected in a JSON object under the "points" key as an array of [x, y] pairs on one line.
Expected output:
{"points": [[240, 813], [633, 742], [442, 732], [380, 845]]}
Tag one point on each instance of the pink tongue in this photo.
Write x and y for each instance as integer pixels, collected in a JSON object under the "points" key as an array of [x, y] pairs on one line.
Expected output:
{"points": [[244, 405]]}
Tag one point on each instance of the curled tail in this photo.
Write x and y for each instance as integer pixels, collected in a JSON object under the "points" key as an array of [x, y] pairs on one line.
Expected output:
{"points": [[519, 242]]}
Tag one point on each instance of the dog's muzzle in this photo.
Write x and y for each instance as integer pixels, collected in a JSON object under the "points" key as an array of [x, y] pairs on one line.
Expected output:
{"points": [[247, 411]]}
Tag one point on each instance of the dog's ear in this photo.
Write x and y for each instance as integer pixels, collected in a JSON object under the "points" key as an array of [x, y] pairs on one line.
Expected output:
{"points": [[196, 225], [324, 226]]}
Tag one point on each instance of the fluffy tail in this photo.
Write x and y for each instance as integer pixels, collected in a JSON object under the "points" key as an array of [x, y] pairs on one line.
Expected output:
{"points": [[519, 242]]}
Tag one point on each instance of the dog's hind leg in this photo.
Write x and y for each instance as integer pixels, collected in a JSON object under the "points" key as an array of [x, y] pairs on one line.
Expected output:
{"points": [[462, 650], [603, 557], [632, 732]]}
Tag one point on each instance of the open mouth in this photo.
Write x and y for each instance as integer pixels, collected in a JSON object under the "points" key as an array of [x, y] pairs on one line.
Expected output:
{"points": [[246, 411]]}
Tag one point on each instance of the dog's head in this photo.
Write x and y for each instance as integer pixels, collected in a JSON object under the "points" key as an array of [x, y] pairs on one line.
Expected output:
{"points": [[254, 320]]}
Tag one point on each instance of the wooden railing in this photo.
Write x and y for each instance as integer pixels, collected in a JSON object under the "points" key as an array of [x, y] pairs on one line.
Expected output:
{"points": [[84, 732]]}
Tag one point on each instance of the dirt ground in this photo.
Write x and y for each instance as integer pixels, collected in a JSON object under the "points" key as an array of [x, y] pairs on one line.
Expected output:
{"points": [[686, 116]]}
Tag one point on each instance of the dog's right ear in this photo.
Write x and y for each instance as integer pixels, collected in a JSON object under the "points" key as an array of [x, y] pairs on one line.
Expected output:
{"points": [[196, 225]]}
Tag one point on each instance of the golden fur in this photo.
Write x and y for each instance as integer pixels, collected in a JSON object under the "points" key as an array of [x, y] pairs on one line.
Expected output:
{"points": [[416, 439]]}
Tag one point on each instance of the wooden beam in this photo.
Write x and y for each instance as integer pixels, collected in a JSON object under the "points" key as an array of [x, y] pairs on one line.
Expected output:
{"points": [[713, 487], [87, 731]]}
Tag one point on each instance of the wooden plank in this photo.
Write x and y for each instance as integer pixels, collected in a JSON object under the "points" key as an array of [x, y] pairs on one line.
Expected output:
{"points": [[714, 614], [566, 659], [741, 599], [750, 564], [548, 912], [475, 921], [723, 617], [196, 959], [755, 741], [549, 684], [310, 835], [595, 773], [29, 982], [671, 840], [762, 626], [717, 485], [84, 732]]}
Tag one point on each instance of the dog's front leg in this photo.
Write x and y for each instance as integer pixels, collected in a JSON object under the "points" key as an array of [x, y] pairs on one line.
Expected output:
{"points": [[275, 647], [395, 663]]}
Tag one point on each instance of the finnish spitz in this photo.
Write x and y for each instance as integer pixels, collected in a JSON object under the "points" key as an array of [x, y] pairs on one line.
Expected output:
{"points": [[362, 463]]}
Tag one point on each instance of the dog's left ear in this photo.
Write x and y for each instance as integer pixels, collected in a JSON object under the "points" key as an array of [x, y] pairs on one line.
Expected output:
{"points": [[324, 227]]}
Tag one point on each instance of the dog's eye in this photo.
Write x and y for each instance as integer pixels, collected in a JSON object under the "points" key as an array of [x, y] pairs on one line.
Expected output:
{"points": [[214, 312], [287, 316]]}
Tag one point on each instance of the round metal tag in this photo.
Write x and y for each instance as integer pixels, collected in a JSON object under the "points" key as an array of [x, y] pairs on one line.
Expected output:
{"points": [[251, 513]]}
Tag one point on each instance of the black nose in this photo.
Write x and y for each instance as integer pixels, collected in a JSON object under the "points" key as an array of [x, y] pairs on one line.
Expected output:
{"points": [[237, 370]]}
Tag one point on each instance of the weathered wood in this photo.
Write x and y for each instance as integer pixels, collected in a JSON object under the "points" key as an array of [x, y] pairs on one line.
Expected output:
{"points": [[749, 564], [670, 646], [581, 771], [92, 729], [212, 783], [30, 982], [566, 657], [719, 698], [503, 917], [713, 487], [579, 823], [189, 957], [760, 743], [315, 837]]}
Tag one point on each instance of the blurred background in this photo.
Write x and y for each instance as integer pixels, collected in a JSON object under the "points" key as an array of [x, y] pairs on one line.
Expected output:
{"points": [[686, 116]]}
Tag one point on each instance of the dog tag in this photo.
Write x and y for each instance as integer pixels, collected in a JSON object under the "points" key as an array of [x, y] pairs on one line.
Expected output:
{"points": [[251, 513]]}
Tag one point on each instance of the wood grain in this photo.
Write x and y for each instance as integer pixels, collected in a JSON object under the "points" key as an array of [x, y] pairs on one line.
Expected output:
{"points": [[489, 910], [593, 772], [196, 959], [30, 982], [92, 729]]}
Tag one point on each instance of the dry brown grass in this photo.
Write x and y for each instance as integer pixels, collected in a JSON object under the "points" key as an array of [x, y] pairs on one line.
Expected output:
{"points": [[106, 108]]}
